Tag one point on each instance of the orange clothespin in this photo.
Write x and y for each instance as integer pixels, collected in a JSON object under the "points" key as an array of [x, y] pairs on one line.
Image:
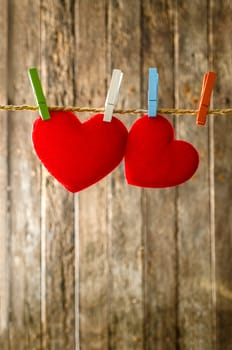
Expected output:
{"points": [[206, 92]]}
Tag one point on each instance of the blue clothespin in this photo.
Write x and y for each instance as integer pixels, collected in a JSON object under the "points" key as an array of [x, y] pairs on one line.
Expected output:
{"points": [[153, 82]]}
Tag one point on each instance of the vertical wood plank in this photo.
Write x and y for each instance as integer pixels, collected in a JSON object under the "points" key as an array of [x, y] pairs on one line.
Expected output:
{"points": [[4, 234], [93, 260], [194, 234], [222, 64], [24, 182], [58, 255], [159, 210], [125, 217]]}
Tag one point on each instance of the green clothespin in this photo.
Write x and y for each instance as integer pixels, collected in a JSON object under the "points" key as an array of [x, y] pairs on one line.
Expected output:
{"points": [[38, 92]]}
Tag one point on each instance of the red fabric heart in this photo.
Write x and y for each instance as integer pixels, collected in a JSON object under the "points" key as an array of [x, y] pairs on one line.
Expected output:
{"points": [[154, 159], [79, 154]]}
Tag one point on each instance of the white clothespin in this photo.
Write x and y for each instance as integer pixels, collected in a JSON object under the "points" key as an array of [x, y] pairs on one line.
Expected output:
{"points": [[112, 96]]}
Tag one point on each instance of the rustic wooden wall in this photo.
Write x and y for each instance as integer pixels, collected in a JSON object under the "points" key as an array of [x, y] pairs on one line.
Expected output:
{"points": [[115, 267]]}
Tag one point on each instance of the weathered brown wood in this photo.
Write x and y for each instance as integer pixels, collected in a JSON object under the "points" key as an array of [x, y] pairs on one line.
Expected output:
{"points": [[222, 33], [146, 256], [93, 240], [124, 206], [195, 288], [58, 284], [24, 182], [4, 234], [159, 210]]}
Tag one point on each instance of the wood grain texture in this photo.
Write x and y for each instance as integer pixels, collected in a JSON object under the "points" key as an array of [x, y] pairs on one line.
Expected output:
{"points": [[222, 63], [4, 233], [58, 257], [93, 239], [159, 222], [143, 260], [124, 207], [24, 183], [195, 318]]}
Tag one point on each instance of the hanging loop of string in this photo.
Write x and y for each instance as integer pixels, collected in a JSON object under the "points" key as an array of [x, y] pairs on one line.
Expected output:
{"points": [[226, 111]]}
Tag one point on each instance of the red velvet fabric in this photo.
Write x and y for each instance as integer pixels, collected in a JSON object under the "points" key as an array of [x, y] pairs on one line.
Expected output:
{"points": [[154, 159], [79, 154]]}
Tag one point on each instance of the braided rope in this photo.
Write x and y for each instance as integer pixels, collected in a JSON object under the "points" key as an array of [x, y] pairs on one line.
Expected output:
{"points": [[116, 111]]}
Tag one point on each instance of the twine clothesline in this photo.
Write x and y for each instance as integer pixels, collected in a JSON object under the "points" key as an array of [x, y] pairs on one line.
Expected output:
{"points": [[224, 111]]}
